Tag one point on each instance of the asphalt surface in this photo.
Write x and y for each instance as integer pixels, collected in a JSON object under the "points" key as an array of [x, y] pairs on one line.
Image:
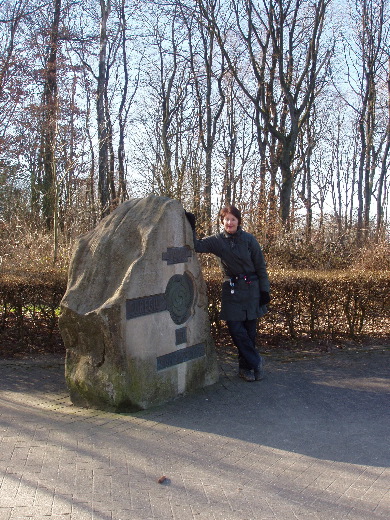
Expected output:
{"points": [[311, 441]]}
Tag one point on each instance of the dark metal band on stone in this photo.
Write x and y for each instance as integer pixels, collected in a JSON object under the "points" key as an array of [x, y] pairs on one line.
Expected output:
{"points": [[146, 305], [181, 335], [177, 299], [181, 356], [177, 255]]}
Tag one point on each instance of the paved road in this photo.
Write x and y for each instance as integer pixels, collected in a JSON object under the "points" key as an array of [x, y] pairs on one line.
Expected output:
{"points": [[311, 441]]}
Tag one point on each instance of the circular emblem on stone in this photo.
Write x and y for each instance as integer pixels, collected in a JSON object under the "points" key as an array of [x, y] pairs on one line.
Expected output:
{"points": [[179, 296]]}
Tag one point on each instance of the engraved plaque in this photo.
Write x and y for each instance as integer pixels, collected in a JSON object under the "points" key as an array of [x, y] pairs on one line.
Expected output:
{"points": [[181, 356], [177, 299], [181, 335], [177, 255], [147, 305], [179, 296]]}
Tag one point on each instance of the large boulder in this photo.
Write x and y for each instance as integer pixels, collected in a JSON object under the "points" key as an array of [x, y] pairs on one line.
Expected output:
{"points": [[134, 317]]}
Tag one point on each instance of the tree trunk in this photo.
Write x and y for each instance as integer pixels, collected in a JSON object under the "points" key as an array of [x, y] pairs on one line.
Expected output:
{"points": [[274, 35], [207, 117], [384, 169], [103, 131], [49, 127]]}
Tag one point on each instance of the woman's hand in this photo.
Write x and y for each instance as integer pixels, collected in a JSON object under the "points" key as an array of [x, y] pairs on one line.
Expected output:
{"points": [[191, 219], [264, 298]]}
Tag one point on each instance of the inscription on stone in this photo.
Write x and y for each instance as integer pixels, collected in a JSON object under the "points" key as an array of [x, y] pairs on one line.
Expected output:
{"points": [[181, 356], [180, 296], [177, 299], [146, 305], [177, 255], [181, 335]]}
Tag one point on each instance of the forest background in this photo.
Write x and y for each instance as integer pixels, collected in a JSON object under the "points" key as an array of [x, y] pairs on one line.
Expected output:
{"points": [[280, 107]]}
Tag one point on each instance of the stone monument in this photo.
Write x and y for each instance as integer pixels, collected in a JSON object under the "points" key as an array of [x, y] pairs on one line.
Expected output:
{"points": [[134, 317]]}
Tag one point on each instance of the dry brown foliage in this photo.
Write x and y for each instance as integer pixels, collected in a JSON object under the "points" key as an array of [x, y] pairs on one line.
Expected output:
{"points": [[323, 306], [31, 288], [26, 248], [318, 310], [292, 251]]}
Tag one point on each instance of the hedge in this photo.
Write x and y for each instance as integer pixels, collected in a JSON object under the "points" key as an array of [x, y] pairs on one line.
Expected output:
{"points": [[305, 304], [322, 305], [29, 311]]}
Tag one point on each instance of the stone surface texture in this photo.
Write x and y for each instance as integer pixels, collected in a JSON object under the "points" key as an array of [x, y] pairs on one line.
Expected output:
{"points": [[134, 317]]}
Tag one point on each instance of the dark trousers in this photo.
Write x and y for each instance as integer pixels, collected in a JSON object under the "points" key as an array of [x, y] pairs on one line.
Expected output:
{"points": [[243, 334]]}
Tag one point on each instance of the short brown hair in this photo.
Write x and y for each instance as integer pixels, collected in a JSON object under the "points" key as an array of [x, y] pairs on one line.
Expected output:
{"points": [[230, 209]]}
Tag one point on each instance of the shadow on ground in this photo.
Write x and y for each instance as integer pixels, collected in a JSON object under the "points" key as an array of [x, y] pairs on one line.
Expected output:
{"points": [[335, 407]]}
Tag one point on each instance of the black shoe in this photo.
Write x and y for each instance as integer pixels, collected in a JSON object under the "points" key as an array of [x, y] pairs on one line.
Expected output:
{"points": [[246, 375], [259, 371]]}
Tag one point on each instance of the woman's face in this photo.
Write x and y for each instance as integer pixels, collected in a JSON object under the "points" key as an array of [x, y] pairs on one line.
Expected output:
{"points": [[230, 223]]}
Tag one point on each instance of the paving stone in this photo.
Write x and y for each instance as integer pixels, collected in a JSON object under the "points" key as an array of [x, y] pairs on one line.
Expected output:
{"points": [[308, 443], [5, 512]]}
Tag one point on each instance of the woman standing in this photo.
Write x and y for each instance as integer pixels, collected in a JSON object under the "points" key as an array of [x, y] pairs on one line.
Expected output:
{"points": [[245, 290]]}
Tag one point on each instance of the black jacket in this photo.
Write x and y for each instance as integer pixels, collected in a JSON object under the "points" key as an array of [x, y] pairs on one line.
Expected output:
{"points": [[239, 254]]}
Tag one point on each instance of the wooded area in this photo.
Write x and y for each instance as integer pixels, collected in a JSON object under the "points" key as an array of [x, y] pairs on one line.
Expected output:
{"points": [[279, 107]]}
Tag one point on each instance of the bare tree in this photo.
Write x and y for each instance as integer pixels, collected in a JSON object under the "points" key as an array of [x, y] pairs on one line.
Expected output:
{"points": [[167, 117], [9, 22], [104, 131], [49, 185], [207, 75], [366, 62], [383, 181], [126, 100], [275, 33], [13, 86]]}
